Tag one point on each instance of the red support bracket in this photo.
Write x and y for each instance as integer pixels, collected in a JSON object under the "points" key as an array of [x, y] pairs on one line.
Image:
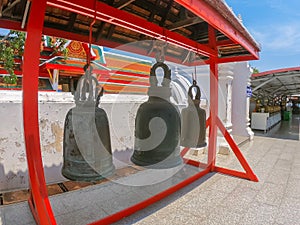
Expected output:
{"points": [[249, 173]]}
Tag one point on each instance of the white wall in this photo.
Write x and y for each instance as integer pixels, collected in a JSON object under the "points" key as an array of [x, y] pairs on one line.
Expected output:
{"points": [[53, 108]]}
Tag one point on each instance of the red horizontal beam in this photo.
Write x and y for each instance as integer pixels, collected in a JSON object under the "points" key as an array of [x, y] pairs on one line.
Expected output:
{"points": [[241, 58], [236, 58], [124, 73], [11, 25], [231, 172], [123, 82], [17, 72], [216, 20], [67, 67], [129, 21]]}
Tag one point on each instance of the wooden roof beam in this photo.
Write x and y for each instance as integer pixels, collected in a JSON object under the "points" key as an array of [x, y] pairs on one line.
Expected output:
{"points": [[123, 3], [126, 20], [185, 23], [71, 21], [165, 13]]}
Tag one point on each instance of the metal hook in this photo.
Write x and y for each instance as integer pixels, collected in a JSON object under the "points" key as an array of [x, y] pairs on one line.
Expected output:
{"points": [[91, 35], [160, 54]]}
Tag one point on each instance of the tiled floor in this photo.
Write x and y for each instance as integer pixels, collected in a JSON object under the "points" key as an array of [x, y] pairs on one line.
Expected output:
{"points": [[214, 199]]}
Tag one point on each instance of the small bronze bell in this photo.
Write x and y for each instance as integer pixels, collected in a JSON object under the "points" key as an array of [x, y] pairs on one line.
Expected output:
{"points": [[193, 133], [157, 126], [86, 144]]}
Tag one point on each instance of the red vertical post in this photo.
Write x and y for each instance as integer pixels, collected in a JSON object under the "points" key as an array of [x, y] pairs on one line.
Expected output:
{"points": [[213, 66], [38, 201]]}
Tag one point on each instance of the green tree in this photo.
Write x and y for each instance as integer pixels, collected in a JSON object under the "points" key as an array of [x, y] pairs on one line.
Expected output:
{"points": [[11, 46], [255, 70]]}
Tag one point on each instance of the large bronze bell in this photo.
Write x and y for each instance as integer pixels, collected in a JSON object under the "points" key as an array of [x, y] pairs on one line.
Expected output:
{"points": [[193, 120], [86, 145], [157, 126]]}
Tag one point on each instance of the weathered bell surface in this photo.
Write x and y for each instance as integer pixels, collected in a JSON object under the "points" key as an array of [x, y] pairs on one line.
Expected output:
{"points": [[86, 146], [157, 126], [193, 121]]}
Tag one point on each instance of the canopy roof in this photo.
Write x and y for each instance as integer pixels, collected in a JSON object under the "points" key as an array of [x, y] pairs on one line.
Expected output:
{"points": [[184, 24], [277, 82]]}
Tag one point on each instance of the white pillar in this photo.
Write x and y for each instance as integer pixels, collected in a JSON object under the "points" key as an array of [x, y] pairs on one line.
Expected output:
{"points": [[55, 79], [240, 101], [225, 94], [225, 107]]}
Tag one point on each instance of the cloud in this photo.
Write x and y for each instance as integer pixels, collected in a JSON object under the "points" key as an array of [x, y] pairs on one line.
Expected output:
{"points": [[290, 7], [278, 37]]}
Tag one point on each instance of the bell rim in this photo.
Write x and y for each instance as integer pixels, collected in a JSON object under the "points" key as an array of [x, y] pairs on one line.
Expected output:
{"points": [[88, 178], [164, 164]]}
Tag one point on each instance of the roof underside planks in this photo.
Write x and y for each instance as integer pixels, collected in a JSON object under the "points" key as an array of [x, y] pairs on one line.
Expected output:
{"points": [[281, 82], [136, 26]]}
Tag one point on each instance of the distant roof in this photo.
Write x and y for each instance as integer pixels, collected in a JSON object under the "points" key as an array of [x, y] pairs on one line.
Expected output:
{"points": [[285, 81]]}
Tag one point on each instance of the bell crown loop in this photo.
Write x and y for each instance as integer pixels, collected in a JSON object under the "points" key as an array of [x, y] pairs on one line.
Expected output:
{"points": [[191, 99], [87, 83], [163, 91]]}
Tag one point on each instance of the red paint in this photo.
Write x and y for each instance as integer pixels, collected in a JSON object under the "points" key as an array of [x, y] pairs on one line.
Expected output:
{"points": [[249, 173], [132, 209], [236, 59], [211, 160], [11, 25], [275, 71], [39, 201], [184, 151]]}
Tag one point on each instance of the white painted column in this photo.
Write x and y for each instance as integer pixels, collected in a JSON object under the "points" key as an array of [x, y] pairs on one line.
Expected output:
{"points": [[225, 97], [240, 101], [225, 94], [55, 79]]}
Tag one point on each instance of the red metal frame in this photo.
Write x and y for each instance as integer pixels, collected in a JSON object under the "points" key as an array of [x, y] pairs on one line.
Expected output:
{"points": [[214, 101], [215, 19], [39, 202]]}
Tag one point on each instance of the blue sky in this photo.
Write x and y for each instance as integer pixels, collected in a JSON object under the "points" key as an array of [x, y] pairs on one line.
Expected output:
{"points": [[275, 24]]}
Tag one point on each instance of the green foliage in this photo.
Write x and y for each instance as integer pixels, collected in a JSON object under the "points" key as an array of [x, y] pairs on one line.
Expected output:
{"points": [[11, 46], [255, 70], [58, 46]]}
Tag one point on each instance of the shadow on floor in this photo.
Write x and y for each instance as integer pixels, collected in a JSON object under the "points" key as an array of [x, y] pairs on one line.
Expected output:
{"points": [[283, 130]]}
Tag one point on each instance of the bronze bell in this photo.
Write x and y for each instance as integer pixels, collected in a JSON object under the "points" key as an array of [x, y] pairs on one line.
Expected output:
{"points": [[193, 133], [157, 126], [86, 145]]}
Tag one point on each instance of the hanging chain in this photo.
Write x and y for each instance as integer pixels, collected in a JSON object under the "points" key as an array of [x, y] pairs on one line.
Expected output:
{"points": [[91, 36], [161, 48], [194, 75], [160, 53]]}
